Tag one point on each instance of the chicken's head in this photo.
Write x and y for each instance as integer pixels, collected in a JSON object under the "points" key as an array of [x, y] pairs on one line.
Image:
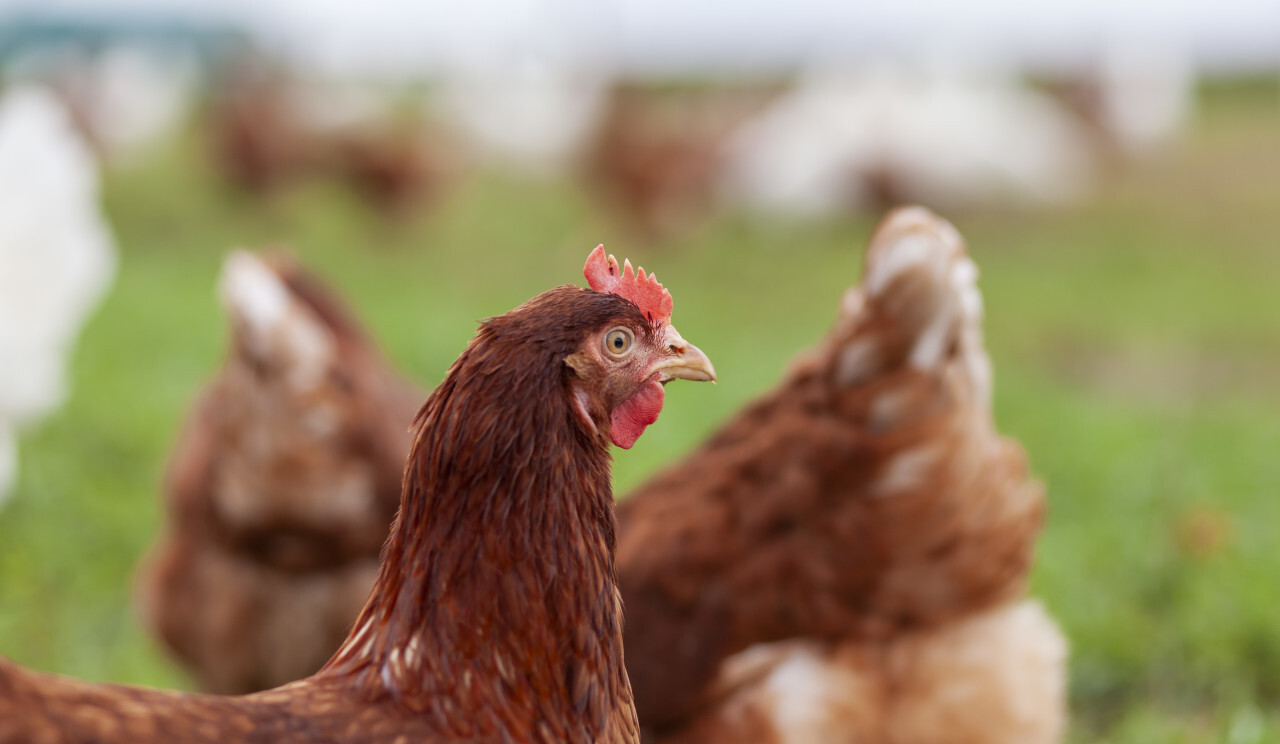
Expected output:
{"points": [[620, 369]]}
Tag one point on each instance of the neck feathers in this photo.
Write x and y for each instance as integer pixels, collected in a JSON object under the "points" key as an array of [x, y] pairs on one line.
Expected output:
{"points": [[496, 609]]}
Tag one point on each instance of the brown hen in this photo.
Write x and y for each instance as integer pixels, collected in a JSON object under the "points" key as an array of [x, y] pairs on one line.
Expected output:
{"points": [[495, 616], [656, 155], [280, 488], [845, 559]]}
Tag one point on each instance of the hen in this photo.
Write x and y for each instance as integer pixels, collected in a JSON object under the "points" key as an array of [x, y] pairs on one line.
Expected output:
{"points": [[57, 257], [267, 131], [655, 157], [844, 138], [280, 488], [845, 560], [495, 615]]}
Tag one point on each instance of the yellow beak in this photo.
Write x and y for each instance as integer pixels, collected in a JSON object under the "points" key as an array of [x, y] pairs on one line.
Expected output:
{"points": [[687, 362]]}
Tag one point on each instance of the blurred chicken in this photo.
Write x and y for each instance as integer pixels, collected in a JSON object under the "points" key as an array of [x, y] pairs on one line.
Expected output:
{"points": [[846, 559], [526, 113], [656, 155], [257, 143], [1134, 101], [947, 132], [280, 489], [392, 165], [123, 98], [56, 258], [268, 131]]}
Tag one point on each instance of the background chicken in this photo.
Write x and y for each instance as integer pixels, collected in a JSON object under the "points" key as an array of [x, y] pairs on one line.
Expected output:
{"points": [[280, 489], [496, 614], [871, 136], [269, 130], [655, 154], [56, 257], [845, 560]]}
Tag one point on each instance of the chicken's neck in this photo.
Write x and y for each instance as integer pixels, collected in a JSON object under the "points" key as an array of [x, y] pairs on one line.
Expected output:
{"points": [[496, 609]]}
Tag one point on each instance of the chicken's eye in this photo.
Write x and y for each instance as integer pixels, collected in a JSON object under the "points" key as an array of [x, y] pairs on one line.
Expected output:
{"points": [[618, 341]]}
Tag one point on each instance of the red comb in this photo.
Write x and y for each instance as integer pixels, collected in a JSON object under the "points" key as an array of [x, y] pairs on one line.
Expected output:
{"points": [[604, 275]]}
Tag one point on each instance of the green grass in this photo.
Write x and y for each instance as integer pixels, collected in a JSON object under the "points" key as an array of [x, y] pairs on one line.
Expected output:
{"points": [[1135, 335]]}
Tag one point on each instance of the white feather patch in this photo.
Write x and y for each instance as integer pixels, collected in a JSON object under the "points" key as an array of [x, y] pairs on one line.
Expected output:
{"points": [[277, 326], [810, 697], [906, 471], [908, 251], [253, 292], [56, 251]]}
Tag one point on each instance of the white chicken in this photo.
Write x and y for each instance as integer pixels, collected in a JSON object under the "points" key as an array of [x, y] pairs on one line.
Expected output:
{"points": [[938, 133], [56, 258], [526, 95]]}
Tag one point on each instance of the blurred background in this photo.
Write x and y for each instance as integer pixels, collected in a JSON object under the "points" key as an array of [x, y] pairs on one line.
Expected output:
{"points": [[1115, 168]]}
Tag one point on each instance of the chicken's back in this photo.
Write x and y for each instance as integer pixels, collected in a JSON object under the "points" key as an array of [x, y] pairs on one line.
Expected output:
{"points": [[39, 708]]}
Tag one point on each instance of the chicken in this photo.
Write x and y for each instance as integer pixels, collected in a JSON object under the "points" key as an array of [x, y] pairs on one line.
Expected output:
{"points": [[846, 559], [495, 615], [280, 489], [846, 138], [1134, 100], [392, 165], [655, 157], [256, 140], [124, 98], [57, 258], [267, 131], [542, 82]]}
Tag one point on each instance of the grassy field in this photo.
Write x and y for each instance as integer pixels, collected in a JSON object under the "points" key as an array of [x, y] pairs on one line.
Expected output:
{"points": [[1135, 336]]}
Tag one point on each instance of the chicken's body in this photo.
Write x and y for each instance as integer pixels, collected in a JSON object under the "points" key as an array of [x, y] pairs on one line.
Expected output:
{"points": [[53, 709], [989, 678], [57, 258], [822, 553], [280, 489], [495, 616]]}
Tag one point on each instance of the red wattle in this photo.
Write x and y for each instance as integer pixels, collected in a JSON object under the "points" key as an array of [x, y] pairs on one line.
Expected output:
{"points": [[631, 417]]}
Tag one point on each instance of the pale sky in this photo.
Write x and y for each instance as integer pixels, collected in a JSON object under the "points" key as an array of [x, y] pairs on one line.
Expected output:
{"points": [[697, 34]]}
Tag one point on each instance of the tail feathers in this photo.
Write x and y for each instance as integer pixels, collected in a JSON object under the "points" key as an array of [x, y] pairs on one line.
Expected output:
{"points": [[918, 306], [272, 325], [919, 273]]}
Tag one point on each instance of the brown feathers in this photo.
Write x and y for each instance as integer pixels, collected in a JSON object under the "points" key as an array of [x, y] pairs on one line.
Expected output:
{"points": [[511, 566], [866, 499]]}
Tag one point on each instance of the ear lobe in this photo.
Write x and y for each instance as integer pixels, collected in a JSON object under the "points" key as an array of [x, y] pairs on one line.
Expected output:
{"points": [[580, 363], [583, 369]]}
